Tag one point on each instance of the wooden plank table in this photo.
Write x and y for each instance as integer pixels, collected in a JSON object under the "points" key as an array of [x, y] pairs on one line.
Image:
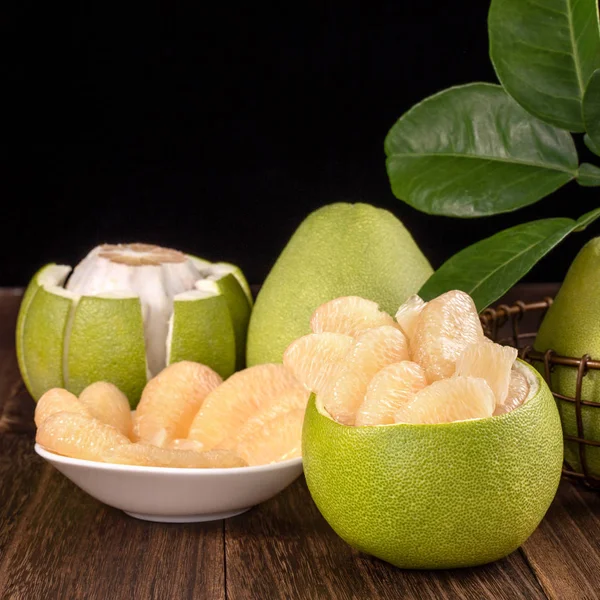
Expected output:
{"points": [[57, 542]]}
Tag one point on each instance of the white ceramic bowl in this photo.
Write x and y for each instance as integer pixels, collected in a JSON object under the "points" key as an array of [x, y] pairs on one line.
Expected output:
{"points": [[172, 495]]}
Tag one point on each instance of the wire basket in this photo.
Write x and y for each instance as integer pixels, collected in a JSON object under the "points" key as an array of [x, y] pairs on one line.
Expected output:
{"points": [[516, 325]]}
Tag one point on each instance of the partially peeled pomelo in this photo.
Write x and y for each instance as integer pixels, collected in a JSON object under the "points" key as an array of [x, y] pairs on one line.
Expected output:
{"points": [[443, 495], [125, 313]]}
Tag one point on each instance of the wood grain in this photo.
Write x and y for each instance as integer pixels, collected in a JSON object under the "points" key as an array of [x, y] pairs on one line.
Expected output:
{"points": [[68, 545], [285, 549], [564, 551], [57, 542]]}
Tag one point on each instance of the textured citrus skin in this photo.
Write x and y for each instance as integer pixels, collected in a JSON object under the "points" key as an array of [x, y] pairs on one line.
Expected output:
{"points": [[338, 250], [436, 496], [572, 328], [210, 341], [106, 343], [44, 326]]}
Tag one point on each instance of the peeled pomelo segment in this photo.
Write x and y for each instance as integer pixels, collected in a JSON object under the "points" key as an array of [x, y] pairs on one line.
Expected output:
{"points": [[349, 315], [518, 390], [454, 399], [107, 403], [446, 326], [211, 339], [313, 358], [220, 279], [373, 349], [43, 328], [392, 388], [408, 314], [171, 400], [78, 436], [184, 444], [272, 438], [57, 400], [228, 407], [106, 343], [491, 362], [150, 273], [146, 455]]}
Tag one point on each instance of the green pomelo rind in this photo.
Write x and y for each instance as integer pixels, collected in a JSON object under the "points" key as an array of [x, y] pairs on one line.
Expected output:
{"points": [[436, 496], [239, 310], [239, 275], [30, 292], [43, 326], [211, 338], [571, 327], [106, 343], [338, 250]]}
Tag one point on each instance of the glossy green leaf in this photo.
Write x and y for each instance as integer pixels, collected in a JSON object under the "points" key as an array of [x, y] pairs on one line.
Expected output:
{"points": [[488, 269], [591, 111], [590, 144], [472, 151], [544, 53], [589, 175]]}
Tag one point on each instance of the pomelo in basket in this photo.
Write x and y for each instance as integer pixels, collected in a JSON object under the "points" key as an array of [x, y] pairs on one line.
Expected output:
{"points": [[572, 328], [424, 496], [124, 314]]}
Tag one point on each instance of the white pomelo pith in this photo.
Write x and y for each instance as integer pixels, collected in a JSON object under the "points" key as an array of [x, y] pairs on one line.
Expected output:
{"points": [[126, 312]]}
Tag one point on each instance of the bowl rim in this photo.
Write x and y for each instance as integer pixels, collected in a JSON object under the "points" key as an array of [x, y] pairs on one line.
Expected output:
{"points": [[186, 471]]}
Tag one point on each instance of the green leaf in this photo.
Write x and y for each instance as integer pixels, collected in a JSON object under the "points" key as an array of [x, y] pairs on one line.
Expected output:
{"points": [[587, 219], [488, 269], [544, 52], [590, 144], [589, 175], [472, 151], [591, 111]]}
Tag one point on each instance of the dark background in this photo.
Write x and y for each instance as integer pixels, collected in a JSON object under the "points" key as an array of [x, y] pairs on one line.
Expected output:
{"points": [[216, 130]]}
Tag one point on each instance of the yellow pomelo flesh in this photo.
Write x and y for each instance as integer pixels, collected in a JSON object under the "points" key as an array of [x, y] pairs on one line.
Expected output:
{"points": [[407, 316], [78, 436], [374, 349], [448, 400], [518, 389], [273, 438], [491, 362], [338, 250], [437, 496], [392, 387], [349, 315], [171, 400], [107, 403], [572, 328], [144, 455], [313, 358], [446, 326], [226, 409], [210, 340], [58, 400]]}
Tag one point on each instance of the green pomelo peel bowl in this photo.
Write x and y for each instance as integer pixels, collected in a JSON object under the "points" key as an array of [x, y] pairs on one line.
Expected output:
{"points": [[437, 496]]}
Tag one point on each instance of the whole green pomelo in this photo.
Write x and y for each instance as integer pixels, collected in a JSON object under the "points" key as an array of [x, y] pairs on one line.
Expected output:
{"points": [[437, 496], [338, 250], [572, 328]]}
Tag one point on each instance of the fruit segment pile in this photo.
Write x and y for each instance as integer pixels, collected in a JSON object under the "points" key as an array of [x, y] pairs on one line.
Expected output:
{"points": [[187, 417], [431, 364]]}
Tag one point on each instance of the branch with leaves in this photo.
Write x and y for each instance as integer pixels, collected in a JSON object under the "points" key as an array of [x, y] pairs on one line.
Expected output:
{"points": [[483, 149]]}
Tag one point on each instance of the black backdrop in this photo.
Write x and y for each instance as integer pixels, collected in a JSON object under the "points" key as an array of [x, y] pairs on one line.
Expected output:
{"points": [[216, 130]]}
